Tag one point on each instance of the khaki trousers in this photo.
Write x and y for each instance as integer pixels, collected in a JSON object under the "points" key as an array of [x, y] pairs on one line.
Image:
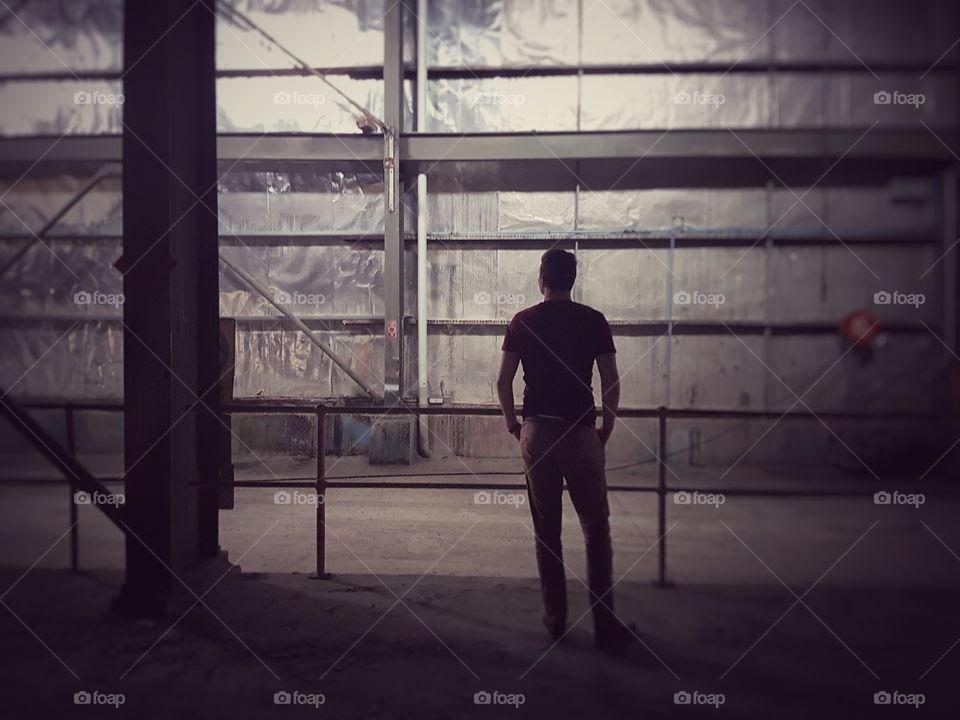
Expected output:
{"points": [[553, 452]]}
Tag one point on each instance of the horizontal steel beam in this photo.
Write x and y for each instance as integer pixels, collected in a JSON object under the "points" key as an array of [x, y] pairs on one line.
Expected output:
{"points": [[882, 145], [852, 66], [501, 241], [477, 72], [656, 240], [653, 144]]}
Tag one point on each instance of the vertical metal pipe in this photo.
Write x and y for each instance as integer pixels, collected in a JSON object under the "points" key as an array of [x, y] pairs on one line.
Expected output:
{"points": [[421, 88], [321, 492], [950, 220], [662, 496], [669, 351], [74, 515], [423, 390]]}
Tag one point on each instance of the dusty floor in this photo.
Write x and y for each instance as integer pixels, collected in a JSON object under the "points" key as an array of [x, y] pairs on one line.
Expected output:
{"points": [[878, 589]]}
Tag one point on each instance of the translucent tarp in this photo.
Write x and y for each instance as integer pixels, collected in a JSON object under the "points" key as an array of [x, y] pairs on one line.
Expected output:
{"points": [[52, 36], [495, 33], [306, 202], [322, 33], [630, 284]]}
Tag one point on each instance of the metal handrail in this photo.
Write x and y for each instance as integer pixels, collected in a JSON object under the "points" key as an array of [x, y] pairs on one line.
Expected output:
{"points": [[321, 483]]}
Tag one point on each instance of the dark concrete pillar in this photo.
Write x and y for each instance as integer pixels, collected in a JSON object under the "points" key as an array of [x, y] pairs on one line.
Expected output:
{"points": [[170, 278]]}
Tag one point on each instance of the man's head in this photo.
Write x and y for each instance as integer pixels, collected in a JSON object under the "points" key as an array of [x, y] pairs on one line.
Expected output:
{"points": [[558, 271]]}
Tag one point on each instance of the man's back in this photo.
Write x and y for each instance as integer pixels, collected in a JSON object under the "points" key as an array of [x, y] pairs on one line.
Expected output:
{"points": [[558, 342]]}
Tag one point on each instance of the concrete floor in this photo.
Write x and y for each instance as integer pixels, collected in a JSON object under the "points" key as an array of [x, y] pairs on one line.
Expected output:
{"points": [[882, 609]]}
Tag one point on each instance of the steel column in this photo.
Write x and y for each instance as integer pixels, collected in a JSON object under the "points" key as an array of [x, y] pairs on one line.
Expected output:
{"points": [[393, 218]]}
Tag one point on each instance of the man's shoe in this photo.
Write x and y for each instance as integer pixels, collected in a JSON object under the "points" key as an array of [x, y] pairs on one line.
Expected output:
{"points": [[616, 640], [556, 629]]}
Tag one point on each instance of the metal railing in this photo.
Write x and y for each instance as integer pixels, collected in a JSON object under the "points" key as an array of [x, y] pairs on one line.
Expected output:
{"points": [[321, 484]]}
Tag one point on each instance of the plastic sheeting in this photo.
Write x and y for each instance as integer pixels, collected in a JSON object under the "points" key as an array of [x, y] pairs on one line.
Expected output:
{"points": [[305, 202], [282, 363], [502, 33], [64, 359], [308, 281], [322, 33], [294, 104], [850, 212], [495, 33], [687, 101], [722, 372], [32, 201], [629, 284], [480, 283], [85, 107], [780, 285], [52, 36]]}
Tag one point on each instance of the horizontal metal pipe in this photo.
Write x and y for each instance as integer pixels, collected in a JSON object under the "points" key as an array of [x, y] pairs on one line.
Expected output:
{"points": [[294, 408], [310, 483]]}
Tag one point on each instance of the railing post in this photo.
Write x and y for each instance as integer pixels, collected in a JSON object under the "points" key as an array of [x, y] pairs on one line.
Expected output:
{"points": [[661, 580], [74, 515], [321, 493]]}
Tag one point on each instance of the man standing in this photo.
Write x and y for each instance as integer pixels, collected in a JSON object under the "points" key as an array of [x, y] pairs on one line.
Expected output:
{"points": [[557, 342]]}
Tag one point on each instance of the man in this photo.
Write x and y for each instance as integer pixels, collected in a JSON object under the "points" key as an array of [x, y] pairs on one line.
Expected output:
{"points": [[557, 342]]}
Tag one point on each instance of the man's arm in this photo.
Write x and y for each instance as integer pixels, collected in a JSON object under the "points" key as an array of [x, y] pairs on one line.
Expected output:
{"points": [[609, 393], [509, 363]]}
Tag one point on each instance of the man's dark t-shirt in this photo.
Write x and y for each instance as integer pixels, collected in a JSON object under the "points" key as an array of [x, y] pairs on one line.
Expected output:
{"points": [[558, 342]]}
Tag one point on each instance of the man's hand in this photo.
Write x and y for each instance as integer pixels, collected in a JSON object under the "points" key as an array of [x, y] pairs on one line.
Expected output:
{"points": [[508, 370], [605, 432], [609, 392]]}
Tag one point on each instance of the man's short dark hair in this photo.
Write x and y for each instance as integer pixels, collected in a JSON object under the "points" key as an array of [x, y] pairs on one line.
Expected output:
{"points": [[558, 268]]}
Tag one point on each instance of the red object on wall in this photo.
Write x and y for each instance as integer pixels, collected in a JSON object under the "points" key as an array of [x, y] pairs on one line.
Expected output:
{"points": [[860, 328]]}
